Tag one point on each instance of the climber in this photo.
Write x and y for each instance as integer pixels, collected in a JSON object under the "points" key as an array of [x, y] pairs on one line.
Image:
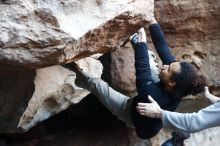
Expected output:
{"points": [[188, 122], [177, 79]]}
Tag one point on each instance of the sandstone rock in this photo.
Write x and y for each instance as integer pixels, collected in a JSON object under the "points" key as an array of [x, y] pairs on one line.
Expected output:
{"points": [[50, 90], [39, 33], [55, 91]]}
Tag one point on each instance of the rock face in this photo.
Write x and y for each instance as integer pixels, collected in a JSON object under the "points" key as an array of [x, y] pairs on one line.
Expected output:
{"points": [[31, 96], [55, 91], [40, 33]]}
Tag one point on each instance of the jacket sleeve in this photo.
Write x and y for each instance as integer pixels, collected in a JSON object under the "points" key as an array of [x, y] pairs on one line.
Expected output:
{"points": [[193, 122], [160, 44], [142, 66]]}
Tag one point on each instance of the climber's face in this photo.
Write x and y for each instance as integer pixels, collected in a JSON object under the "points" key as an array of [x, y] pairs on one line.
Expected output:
{"points": [[168, 71]]}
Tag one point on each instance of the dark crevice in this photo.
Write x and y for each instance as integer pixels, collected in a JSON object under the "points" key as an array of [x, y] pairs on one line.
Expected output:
{"points": [[106, 62]]}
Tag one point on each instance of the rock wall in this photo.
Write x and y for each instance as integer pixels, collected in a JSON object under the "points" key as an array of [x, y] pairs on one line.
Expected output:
{"points": [[55, 91], [31, 96], [40, 33]]}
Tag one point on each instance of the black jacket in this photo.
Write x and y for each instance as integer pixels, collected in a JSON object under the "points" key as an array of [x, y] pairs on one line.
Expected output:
{"points": [[149, 127]]}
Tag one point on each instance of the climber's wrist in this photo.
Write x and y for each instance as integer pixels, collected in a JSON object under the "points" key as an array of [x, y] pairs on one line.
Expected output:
{"points": [[160, 114], [152, 21]]}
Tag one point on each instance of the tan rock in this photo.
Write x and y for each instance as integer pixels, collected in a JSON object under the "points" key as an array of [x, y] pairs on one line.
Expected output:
{"points": [[55, 91], [39, 33], [36, 34]]}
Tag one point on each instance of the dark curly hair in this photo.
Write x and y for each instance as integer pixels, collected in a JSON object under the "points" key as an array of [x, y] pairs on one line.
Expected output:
{"points": [[188, 81], [179, 137]]}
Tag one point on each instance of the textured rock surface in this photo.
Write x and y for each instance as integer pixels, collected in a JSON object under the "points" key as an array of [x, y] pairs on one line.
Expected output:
{"points": [[55, 91], [50, 90], [40, 33]]}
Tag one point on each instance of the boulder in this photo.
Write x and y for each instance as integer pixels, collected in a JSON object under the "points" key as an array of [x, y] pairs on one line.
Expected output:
{"points": [[38, 33]]}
